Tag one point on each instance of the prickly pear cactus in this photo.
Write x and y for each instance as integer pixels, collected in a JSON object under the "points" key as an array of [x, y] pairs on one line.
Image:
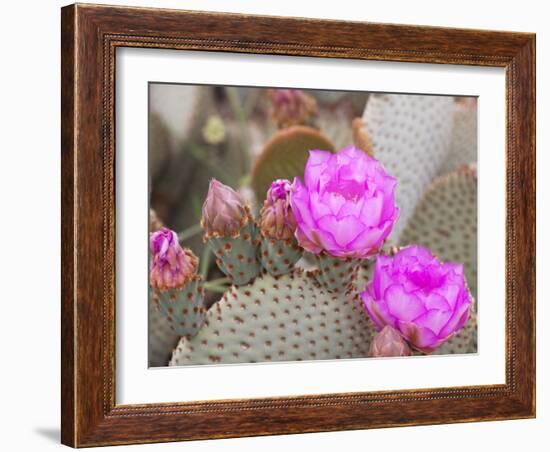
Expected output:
{"points": [[445, 221], [463, 150], [287, 318], [411, 136], [162, 339], [275, 311], [236, 257], [337, 275], [285, 155], [182, 307], [278, 257]]}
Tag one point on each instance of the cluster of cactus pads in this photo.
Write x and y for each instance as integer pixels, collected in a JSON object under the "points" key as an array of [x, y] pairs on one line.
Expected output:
{"points": [[276, 309], [305, 283]]}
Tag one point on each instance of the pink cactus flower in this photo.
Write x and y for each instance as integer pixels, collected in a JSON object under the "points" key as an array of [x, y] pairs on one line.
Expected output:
{"points": [[346, 205], [426, 300], [389, 342], [171, 265], [276, 217], [224, 212]]}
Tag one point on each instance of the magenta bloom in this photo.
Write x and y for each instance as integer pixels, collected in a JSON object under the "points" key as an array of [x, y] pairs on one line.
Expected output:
{"points": [[171, 266], [426, 300], [276, 217], [346, 205]]}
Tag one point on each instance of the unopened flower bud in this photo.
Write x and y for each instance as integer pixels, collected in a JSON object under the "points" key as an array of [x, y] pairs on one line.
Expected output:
{"points": [[291, 106], [389, 342], [172, 266], [224, 212], [276, 218]]}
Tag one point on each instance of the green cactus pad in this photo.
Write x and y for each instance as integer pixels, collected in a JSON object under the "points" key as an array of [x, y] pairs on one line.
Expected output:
{"points": [[286, 318], [279, 256], [237, 257], [162, 339], [285, 156], [183, 307], [411, 136], [337, 275], [445, 221], [464, 138]]}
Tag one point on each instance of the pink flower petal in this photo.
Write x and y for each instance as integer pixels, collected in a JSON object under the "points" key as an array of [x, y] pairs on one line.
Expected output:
{"points": [[371, 239], [456, 269], [318, 207], [299, 205], [334, 201], [457, 320], [372, 210], [352, 207], [377, 310], [381, 279], [434, 320], [405, 306], [450, 293], [315, 165], [349, 155], [305, 242], [420, 253], [434, 300], [356, 170], [423, 339], [325, 240], [389, 211], [344, 230]]}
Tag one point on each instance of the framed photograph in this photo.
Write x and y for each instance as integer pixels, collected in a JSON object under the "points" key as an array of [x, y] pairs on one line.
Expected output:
{"points": [[282, 225]]}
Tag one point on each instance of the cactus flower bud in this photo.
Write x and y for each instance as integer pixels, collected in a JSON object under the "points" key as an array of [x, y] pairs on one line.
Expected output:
{"points": [[172, 266], [276, 217], [224, 212], [291, 107], [155, 222], [389, 342]]}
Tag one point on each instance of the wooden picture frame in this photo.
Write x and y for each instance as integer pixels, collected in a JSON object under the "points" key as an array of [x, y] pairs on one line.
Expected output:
{"points": [[90, 37]]}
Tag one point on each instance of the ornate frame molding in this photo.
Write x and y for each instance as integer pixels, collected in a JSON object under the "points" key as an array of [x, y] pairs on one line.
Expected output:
{"points": [[90, 37]]}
